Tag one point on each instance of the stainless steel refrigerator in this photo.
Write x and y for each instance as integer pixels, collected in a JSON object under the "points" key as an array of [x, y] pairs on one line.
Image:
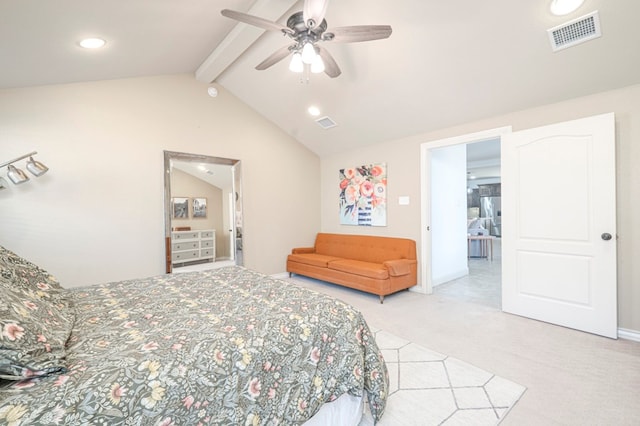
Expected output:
{"points": [[490, 208]]}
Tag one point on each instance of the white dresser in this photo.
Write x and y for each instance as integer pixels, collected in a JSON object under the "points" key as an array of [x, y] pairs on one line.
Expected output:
{"points": [[190, 246]]}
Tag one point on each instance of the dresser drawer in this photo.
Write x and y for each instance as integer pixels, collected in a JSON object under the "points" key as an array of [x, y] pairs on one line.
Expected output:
{"points": [[185, 235], [185, 245], [206, 243], [206, 253], [206, 234], [184, 256]]}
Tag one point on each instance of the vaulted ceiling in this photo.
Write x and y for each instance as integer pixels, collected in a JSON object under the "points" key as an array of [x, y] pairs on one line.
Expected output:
{"points": [[446, 63]]}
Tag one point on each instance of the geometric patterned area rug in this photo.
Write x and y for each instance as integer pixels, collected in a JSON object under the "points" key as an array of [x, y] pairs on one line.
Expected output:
{"points": [[428, 388]]}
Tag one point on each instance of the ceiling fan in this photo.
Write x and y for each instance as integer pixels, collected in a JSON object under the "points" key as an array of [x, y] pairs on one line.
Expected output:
{"points": [[307, 29]]}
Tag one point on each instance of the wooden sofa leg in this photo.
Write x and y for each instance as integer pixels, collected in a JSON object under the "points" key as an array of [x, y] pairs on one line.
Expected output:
{"points": [[289, 274], [381, 300]]}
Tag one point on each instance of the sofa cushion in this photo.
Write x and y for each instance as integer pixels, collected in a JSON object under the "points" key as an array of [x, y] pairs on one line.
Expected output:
{"points": [[358, 267], [313, 259]]}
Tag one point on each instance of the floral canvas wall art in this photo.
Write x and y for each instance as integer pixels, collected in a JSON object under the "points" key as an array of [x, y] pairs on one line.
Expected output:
{"points": [[363, 195]]}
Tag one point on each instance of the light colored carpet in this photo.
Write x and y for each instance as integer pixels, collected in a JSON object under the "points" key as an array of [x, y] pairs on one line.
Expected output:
{"points": [[429, 388], [572, 378]]}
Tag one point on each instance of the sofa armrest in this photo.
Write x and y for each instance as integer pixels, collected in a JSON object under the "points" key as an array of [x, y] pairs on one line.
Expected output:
{"points": [[303, 250], [399, 267]]}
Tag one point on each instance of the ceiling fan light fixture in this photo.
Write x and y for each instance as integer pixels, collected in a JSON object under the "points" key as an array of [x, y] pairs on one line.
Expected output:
{"points": [[296, 64], [317, 66], [308, 53], [564, 7], [306, 28]]}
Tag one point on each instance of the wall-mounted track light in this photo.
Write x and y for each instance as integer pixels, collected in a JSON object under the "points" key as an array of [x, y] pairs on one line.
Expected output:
{"points": [[18, 176]]}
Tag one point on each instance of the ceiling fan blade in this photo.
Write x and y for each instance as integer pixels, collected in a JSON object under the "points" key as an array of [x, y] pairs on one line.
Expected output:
{"points": [[275, 57], [357, 33], [314, 11], [255, 21], [331, 68]]}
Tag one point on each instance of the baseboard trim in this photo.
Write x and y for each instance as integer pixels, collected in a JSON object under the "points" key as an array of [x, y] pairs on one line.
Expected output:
{"points": [[624, 333], [281, 275], [436, 281]]}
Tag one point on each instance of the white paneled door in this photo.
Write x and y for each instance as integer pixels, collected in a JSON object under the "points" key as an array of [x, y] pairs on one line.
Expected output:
{"points": [[559, 224]]}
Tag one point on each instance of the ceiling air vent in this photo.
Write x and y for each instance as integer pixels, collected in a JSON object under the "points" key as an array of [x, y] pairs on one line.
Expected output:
{"points": [[575, 32], [326, 122]]}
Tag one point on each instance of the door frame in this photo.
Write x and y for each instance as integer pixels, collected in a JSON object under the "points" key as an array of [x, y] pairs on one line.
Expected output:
{"points": [[426, 282]]}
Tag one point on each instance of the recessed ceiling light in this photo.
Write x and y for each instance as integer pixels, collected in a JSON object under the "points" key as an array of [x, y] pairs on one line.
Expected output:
{"points": [[314, 111], [564, 7], [92, 43]]}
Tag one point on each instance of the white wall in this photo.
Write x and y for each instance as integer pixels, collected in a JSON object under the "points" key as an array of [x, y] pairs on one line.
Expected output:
{"points": [[403, 169], [97, 215], [448, 203]]}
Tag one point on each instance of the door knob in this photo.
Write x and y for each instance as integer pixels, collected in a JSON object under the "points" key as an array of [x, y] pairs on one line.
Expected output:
{"points": [[606, 236]]}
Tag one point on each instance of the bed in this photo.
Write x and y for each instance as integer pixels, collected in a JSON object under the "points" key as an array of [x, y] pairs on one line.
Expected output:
{"points": [[226, 346]]}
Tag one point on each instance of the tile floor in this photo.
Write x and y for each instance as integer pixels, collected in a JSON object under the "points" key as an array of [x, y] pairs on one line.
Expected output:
{"points": [[482, 285]]}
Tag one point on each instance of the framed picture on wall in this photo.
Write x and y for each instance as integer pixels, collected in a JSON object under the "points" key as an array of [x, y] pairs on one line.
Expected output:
{"points": [[180, 208], [363, 195], [199, 208]]}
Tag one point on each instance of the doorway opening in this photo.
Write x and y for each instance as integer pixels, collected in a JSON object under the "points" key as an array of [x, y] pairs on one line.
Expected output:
{"points": [[461, 246], [482, 282]]}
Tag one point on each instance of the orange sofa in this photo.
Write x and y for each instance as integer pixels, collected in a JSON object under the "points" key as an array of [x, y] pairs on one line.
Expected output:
{"points": [[378, 265]]}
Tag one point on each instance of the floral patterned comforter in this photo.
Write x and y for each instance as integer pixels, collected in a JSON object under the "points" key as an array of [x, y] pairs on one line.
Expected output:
{"points": [[226, 347]]}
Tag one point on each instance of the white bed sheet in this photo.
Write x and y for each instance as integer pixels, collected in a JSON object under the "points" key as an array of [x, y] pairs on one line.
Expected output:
{"points": [[347, 410]]}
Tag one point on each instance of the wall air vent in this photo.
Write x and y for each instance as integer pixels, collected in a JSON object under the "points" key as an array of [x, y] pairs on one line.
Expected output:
{"points": [[326, 122], [575, 32]]}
